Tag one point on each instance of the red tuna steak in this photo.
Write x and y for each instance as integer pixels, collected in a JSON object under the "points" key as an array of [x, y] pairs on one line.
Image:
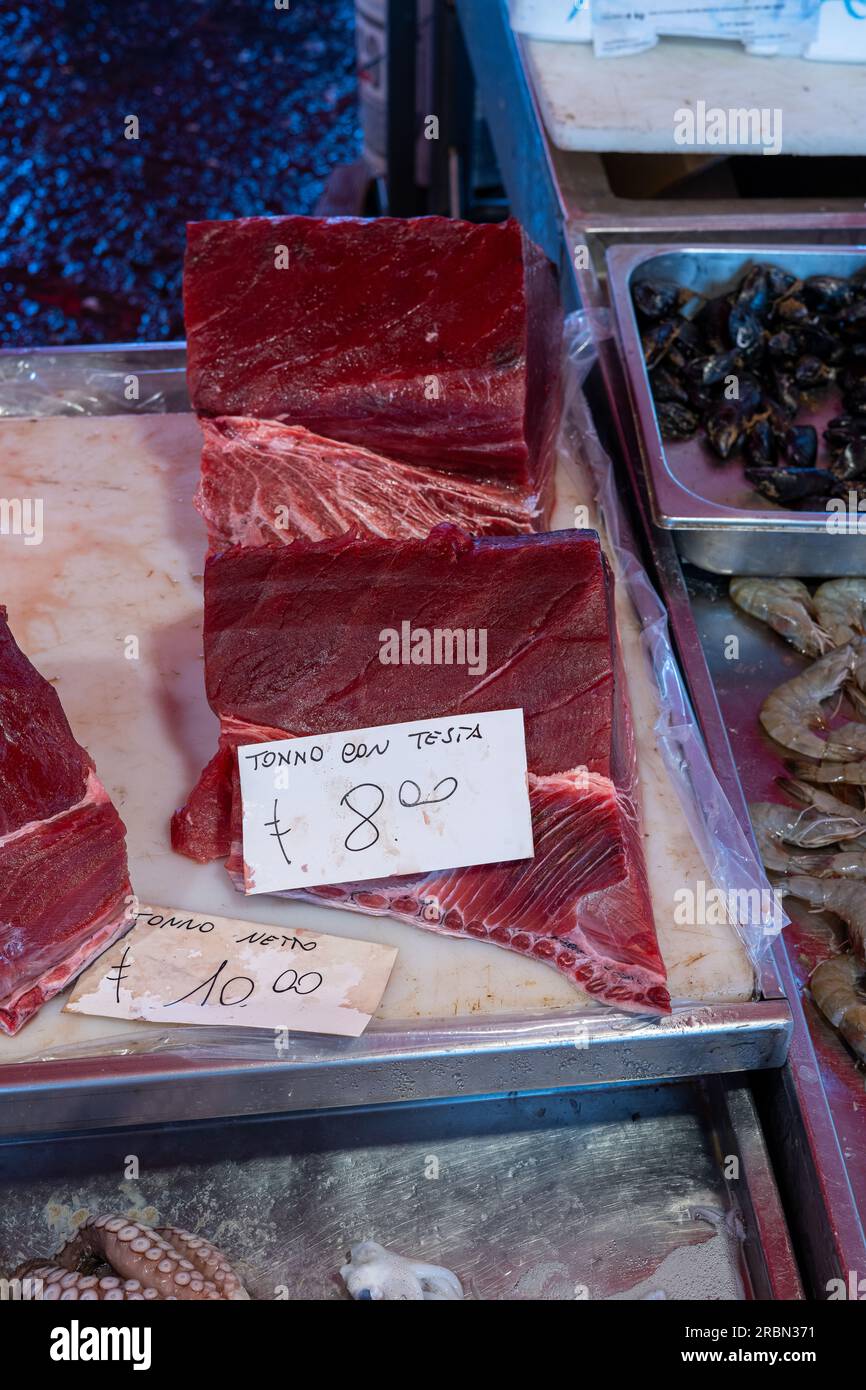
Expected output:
{"points": [[427, 339], [262, 482], [64, 884], [292, 645]]}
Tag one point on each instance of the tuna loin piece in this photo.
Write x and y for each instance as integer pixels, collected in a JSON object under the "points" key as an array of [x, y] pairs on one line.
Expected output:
{"points": [[292, 643], [262, 481], [426, 339], [64, 883]]}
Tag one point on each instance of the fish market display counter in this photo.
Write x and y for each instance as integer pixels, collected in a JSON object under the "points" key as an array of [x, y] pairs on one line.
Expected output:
{"points": [[572, 1119]]}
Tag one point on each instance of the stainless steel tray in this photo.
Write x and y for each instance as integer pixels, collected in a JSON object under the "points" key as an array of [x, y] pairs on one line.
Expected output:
{"points": [[719, 522], [384, 1066], [555, 1197]]}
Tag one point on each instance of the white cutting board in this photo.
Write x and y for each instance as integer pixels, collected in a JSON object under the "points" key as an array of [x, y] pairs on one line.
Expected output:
{"points": [[628, 103], [122, 556]]}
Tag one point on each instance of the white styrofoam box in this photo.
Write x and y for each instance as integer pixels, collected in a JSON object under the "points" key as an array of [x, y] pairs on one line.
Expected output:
{"points": [[837, 33], [622, 27], [841, 34], [568, 21]]}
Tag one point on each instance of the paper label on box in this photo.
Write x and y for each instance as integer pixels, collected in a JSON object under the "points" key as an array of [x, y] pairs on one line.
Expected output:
{"points": [[176, 966], [395, 799]]}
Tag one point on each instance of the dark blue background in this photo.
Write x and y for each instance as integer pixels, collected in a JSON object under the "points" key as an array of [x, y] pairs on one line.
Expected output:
{"points": [[243, 109]]}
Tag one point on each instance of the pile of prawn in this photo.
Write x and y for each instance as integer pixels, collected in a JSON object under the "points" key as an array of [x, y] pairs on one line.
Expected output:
{"points": [[818, 852]]}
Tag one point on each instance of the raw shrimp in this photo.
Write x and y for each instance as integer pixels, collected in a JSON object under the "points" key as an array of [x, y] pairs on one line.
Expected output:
{"points": [[849, 774], [846, 899], [849, 863], [836, 989], [824, 801], [789, 711], [777, 826], [785, 606], [840, 606]]}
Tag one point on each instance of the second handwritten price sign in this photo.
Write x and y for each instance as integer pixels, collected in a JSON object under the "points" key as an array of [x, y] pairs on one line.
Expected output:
{"points": [[395, 799]]}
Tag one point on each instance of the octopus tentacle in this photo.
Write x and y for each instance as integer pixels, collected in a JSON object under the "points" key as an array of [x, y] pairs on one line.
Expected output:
{"points": [[60, 1284], [146, 1258], [209, 1261]]}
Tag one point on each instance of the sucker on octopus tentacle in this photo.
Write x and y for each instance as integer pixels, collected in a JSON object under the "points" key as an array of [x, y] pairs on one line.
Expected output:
{"points": [[164, 1263], [374, 1274]]}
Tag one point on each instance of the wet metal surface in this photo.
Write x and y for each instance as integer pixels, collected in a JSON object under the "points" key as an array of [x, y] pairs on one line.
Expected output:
{"points": [[557, 1197]]}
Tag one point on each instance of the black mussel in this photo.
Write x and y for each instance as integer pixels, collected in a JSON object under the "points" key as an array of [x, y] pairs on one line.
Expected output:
{"points": [[676, 421], [792, 309], [724, 427], [827, 294], [656, 299], [657, 341], [753, 293], [702, 398], [745, 331], [811, 503], [839, 433], [811, 371], [779, 418], [854, 490], [690, 338], [712, 320], [710, 371], [851, 322], [779, 282], [800, 446], [759, 444], [687, 344], [667, 386], [850, 460], [784, 346], [787, 485], [785, 391], [750, 396], [845, 426], [853, 372], [854, 399], [816, 341]]}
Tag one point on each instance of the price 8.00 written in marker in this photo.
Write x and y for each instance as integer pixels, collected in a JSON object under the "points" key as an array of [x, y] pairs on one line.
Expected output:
{"points": [[395, 799]]}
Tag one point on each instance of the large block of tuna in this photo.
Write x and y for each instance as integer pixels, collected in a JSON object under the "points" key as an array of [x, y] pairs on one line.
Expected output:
{"points": [[429, 340], [64, 884], [293, 642]]}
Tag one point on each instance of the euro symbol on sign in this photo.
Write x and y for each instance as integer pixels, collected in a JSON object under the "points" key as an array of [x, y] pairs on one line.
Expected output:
{"points": [[122, 971], [277, 834]]}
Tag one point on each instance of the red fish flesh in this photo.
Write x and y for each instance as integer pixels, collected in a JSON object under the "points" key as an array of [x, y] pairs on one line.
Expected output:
{"points": [[426, 339], [64, 884], [263, 482], [292, 640]]}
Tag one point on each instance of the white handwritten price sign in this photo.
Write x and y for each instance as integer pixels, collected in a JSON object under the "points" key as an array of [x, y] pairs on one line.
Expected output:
{"points": [[395, 799], [180, 967]]}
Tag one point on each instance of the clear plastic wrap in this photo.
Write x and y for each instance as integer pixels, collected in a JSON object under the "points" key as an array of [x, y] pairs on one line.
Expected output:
{"points": [[78, 382], [730, 862], [733, 867]]}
